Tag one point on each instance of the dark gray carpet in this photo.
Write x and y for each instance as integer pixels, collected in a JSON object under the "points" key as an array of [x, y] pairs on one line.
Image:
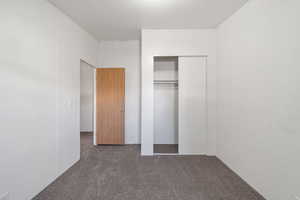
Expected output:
{"points": [[166, 148], [120, 173]]}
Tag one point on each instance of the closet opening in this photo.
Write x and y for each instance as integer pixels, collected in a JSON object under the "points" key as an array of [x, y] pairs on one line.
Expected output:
{"points": [[165, 86]]}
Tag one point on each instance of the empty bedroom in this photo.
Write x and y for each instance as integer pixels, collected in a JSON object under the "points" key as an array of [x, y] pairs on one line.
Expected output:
{"points": [[149, 100]]}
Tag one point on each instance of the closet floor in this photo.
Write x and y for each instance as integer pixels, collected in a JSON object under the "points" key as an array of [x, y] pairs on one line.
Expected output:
{"points": [[120, 173], [166, 148]]}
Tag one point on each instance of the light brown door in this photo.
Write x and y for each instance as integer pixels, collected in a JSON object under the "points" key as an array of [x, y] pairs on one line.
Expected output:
{"points": [[110, 95]]}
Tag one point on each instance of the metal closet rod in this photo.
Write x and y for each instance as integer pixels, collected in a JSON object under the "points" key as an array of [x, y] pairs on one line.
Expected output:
{"points": [[165, 81]]}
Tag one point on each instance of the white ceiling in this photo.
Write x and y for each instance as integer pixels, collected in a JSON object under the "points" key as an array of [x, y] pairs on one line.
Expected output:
{"points": [[123, 19]]}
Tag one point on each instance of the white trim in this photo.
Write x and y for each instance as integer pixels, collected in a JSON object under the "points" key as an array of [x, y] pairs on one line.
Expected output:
{"points": [[178, 154], [181, 55], [206, 105], [95, 108]]}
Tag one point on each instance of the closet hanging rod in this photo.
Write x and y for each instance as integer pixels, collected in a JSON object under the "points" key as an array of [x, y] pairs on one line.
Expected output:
{"points": [[165, 82]]}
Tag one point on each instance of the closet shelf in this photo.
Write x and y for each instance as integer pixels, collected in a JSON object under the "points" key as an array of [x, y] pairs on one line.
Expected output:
{"points": [[165, 82]]}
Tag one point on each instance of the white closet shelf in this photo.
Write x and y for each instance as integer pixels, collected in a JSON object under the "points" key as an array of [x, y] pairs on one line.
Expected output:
{"points": [[165, 81]]}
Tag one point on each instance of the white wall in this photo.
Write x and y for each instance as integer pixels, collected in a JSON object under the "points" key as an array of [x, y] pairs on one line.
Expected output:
{"points": [[126, 54], [40, 56], [86, 97], [259, 95], [176, 43]]}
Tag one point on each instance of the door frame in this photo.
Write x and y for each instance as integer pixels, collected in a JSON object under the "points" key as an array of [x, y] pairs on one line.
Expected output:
{"points": [[95, 109]]}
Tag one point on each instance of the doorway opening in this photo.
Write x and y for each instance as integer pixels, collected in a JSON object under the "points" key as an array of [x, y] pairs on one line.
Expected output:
{"points": [[87, 74]]}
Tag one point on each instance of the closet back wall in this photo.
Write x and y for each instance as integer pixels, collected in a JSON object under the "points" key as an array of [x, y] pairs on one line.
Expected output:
{"points": [[126, 54], [165, 101]]}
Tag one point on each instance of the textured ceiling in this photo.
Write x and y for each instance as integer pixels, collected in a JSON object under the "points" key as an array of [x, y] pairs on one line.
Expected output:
{"points": [[123, 19]]}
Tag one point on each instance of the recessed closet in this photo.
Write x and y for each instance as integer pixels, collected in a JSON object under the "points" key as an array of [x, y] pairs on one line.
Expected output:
{"points": [[180, 110]]}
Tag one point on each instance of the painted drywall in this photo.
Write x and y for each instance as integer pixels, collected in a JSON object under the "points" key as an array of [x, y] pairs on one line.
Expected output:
{"points": [[86, 97], [40, 57], [258, 96], [176, 43], [129, 16], [166, 101], [126, 54]]}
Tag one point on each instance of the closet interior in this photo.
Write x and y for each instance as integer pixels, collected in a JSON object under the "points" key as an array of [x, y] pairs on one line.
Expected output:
{"points": [[165, 105]]}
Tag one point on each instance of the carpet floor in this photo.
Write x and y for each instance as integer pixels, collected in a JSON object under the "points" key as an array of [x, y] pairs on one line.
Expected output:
{"points": [[120, 173], [165, 148]]}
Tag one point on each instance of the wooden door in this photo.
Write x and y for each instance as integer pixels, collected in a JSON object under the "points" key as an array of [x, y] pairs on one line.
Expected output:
{"points": [[192, 105], [110, 97]]}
